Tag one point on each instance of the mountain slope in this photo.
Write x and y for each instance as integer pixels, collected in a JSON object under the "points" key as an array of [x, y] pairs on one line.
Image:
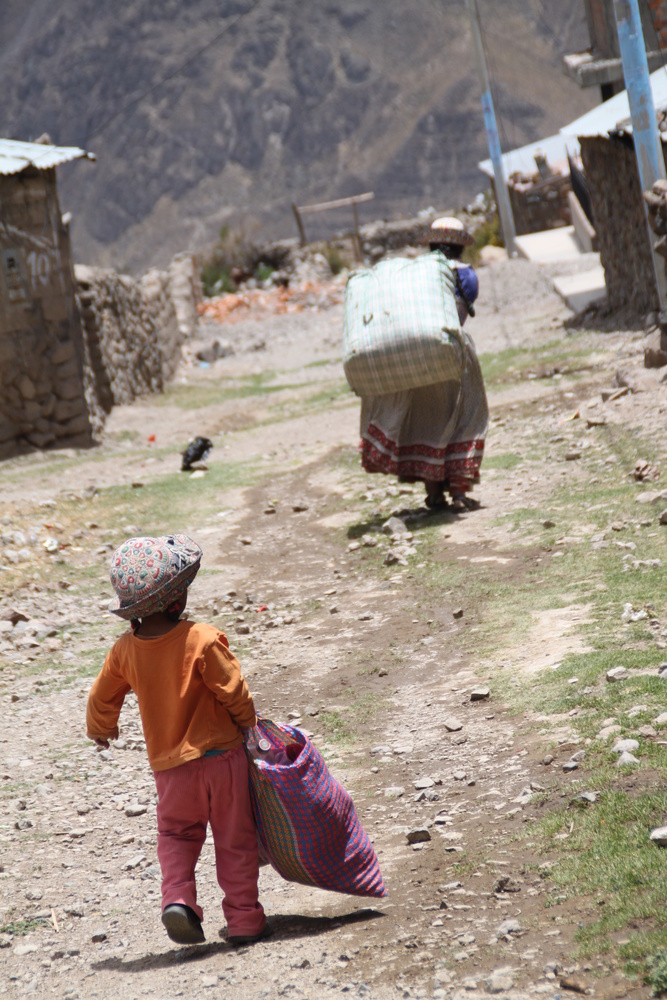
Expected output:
{"points": [[296, 102]]}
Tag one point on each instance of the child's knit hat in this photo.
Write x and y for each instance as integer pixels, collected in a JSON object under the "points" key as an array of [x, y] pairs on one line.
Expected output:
{"points": [[148, 573]]}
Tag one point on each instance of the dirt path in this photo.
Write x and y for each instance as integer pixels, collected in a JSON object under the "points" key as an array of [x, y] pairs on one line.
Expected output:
{"points": [[378, 655]]}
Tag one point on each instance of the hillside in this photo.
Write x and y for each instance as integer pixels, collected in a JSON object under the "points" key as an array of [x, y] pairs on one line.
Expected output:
{"points": [[349, 96]]}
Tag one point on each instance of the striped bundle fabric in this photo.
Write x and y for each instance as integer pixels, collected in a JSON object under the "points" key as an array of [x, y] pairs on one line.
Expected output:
{"points": [[402, 327], [307, 825]]}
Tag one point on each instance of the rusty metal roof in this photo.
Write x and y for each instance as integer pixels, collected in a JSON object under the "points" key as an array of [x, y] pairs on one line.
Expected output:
{"points": [[16, 156]]}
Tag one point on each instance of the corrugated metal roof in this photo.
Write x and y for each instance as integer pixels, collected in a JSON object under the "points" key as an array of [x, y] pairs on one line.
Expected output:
{"points": [[16, 156], [606, 117], [555, 148]]}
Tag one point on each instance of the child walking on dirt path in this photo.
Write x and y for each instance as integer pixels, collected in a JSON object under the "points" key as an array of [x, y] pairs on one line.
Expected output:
{"points": [[194, 705]]}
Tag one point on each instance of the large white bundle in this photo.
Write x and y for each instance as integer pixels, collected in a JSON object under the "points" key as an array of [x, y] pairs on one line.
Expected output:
{"points": [[402, 327]]}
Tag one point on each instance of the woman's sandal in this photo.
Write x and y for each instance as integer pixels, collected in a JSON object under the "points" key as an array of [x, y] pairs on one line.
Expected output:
{"points": [[461, 502]]}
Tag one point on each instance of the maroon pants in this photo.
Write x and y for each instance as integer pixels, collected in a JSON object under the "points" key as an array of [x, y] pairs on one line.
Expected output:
{"points": [[210, 790]]}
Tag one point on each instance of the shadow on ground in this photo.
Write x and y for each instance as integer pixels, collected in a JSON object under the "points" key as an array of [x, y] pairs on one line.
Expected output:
{"points": [[281, 927]]}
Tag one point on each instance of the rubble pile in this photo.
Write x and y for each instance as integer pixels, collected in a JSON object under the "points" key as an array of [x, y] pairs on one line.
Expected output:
{"points": [[277, 301]]}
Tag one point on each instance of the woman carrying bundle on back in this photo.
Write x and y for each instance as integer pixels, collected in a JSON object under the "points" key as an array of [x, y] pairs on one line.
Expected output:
{"points": [[433, 432]]}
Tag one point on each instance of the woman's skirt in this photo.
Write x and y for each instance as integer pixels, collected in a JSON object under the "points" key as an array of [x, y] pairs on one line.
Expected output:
{"points": [[433, 433]]}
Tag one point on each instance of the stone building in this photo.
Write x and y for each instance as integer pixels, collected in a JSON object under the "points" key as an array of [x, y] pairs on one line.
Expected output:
{"points": [[74, 342], [41, 350]]}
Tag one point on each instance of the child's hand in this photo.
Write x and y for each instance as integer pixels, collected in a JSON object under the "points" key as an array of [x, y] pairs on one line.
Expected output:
{"points": [[100, 743]]}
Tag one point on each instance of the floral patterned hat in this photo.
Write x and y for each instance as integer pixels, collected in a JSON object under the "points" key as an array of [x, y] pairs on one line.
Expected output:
{"points": [[148, 573]]}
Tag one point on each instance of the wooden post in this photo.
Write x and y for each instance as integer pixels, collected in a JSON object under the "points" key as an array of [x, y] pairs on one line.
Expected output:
{"points": [[299, 223], [357, 237]]}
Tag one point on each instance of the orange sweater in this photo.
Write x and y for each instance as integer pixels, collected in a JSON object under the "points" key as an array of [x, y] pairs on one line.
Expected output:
{"points": [[191, 693]]}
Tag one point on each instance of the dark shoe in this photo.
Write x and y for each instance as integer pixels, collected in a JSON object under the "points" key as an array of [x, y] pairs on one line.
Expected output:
{"points": [[239, 939], [461, 502], [182, 924]]}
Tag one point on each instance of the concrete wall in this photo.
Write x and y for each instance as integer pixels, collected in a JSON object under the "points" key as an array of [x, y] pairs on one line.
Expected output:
{"points": [[41, 350], [620, 222]]}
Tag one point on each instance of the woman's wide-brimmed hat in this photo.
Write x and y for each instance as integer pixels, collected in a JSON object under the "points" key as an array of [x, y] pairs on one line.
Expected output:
{"points": [[448, 229], [148, 573]]}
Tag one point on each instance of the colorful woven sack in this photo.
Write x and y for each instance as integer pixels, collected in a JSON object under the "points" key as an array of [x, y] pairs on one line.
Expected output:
{"points": [[307, 825], [402, 327]]}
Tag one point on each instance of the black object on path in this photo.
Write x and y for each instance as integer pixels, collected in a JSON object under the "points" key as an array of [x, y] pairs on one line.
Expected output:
{"points": [[198, 449]]}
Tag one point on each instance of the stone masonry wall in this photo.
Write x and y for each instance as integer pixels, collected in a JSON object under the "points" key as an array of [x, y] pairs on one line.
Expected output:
{"points": [[133, 330], [41, 351]]}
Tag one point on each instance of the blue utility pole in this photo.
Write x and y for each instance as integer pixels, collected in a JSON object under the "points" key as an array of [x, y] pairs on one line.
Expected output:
{"points": [[502, 195], [645, 133]]}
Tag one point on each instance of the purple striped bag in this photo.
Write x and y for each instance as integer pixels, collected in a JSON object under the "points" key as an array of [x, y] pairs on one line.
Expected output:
{"points": [[307, 825]]}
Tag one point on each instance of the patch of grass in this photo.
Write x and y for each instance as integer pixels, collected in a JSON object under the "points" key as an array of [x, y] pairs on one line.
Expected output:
{"points": [[506, 460], [608, 858], [656, 974], [20, 928], [515, 363], [195, 396], [335, 727]]}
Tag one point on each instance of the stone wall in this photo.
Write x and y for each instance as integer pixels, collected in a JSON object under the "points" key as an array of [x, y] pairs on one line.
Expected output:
{"points": [[131, 332], [620, 222], [41, 351]]}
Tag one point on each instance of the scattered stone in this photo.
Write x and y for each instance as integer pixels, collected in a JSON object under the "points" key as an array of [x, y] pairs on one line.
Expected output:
{"points": [[134, 862], [209, 981], [630, 615], [623, 746], [458, 613], [608, 731], [353, 546], [134, 809], [576, 985], [242, 629], [369, 541], [366, 616], [548, 524], [505, 884], [394, 526], [479, 694], [459, 776], [5, 940], [663, 517], [98, 935], [380, 750], [617, 674], [659, 836], [647, 731], [418, 836], [637, 710], [570, 765], [547, 759], [25, 949], [499, 981], [244, 540], [395, 559], [453, 725], [423, 783], [661, 719], [572, 456], [299, 505], [507, 927], [626, 760], [394, 792]]}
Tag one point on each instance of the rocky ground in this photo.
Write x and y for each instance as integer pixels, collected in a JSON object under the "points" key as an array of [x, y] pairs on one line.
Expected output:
{"points": [[451, 668]]}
